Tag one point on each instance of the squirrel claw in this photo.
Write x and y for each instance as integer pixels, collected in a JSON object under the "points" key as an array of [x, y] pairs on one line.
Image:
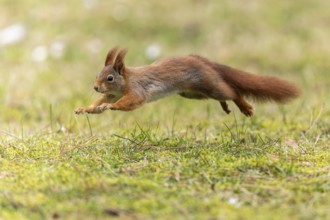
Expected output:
{"points": [[79, 111]]}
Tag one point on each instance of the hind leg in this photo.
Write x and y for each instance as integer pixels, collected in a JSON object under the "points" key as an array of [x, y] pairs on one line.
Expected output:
{"points": [[224, 106], [245, 107]]}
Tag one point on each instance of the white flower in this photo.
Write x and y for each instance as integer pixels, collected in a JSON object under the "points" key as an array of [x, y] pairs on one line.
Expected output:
{"points": [[153, 51], [233, 201], [39, 53], [57, 49], [12, 34]]}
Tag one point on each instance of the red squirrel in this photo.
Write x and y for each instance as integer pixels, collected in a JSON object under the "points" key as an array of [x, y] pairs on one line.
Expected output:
{"points": [[127, 88]]}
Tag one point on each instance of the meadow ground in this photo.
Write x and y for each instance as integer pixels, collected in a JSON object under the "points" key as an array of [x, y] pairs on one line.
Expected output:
{"points": [[174, 158]]}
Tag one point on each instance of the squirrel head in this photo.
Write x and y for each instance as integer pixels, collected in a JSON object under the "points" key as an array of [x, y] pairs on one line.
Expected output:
{"points": [[112, 79]]}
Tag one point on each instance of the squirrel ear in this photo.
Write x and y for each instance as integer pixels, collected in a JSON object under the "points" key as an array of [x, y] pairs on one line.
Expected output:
{"points": [[111, 56], [119, 65]]}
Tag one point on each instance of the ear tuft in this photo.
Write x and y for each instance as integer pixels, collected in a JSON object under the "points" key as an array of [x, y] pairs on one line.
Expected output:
{"points": [[119, 65], [111, 56]]}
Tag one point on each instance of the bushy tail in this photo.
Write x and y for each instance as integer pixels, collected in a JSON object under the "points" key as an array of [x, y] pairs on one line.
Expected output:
{"points": [[261, 88]]}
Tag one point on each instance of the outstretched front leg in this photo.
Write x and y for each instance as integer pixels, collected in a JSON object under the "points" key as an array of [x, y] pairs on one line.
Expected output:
{"points": [[126, 103], [93, 108]]}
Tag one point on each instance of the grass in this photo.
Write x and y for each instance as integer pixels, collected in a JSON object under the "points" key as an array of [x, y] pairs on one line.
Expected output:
{"points": [[173, 158]]}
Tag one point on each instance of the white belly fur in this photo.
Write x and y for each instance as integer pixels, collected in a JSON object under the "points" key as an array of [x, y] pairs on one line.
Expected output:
{"points": [[156, 91]]}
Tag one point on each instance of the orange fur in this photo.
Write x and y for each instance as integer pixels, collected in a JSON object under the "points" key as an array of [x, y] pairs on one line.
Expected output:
{"points": [[195, 77]]}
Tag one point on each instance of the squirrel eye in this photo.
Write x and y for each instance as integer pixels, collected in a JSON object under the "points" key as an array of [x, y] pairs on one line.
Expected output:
{"points": [[110, 78]]}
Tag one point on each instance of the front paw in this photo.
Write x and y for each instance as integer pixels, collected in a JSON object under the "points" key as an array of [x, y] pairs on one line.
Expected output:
{"points": [[80, 110], [104, 106], [89, 110]]}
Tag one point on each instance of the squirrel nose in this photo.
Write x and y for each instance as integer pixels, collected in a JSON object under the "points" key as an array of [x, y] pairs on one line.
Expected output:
{"points": [[96, 88]]}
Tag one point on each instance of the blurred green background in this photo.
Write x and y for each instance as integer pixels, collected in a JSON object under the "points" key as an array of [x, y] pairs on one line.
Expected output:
{"points": [[63, 46], [174, 158]]}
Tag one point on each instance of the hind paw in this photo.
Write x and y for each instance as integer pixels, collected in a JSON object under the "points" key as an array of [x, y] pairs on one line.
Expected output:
{"points": [[247, 111], [245, 108], [225, 107]]}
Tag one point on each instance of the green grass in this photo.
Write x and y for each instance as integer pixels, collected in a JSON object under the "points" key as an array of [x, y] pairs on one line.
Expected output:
{"points": [[174, 158]]}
